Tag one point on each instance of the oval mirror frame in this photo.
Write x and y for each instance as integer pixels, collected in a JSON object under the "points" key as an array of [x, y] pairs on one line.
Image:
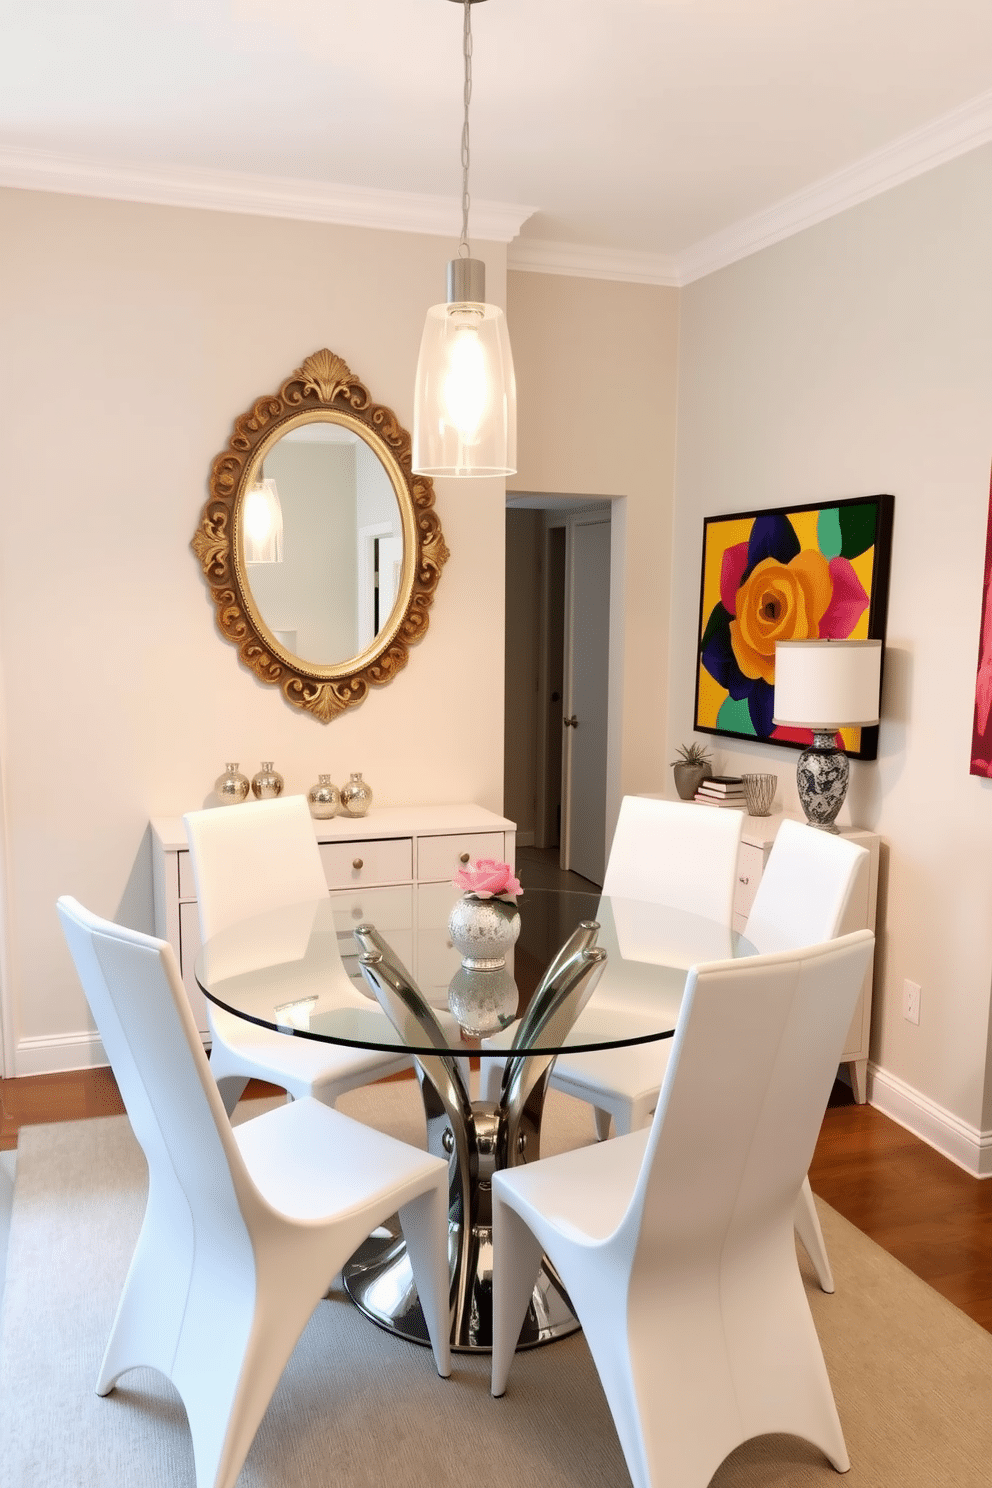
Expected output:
{"points": [[323, 389]]}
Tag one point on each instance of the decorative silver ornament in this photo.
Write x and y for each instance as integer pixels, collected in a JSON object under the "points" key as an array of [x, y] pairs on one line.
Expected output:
{"points": [[356, 795], [483, 931], [232, 787], [324, 799], [268, 783]]}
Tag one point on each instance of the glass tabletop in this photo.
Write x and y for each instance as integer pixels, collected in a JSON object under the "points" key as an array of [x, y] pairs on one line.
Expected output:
{"points": [[296, 970]]}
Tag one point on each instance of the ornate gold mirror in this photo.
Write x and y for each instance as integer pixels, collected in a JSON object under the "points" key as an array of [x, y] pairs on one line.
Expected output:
{"points": [[321, 549]]}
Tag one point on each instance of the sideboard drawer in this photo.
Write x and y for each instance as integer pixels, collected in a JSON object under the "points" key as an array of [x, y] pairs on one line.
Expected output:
{"points": [[187, 881], [385, 861], [439, 858], [750, 866]]}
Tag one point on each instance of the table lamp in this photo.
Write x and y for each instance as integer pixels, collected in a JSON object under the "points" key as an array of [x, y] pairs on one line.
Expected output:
{"points": [[826, 686]]}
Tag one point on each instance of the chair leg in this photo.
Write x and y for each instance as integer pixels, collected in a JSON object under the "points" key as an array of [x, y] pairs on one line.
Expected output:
{"points": [[516, 1263], [807, 1223], [602, 1120], [149, 1315], [424, 1222]]}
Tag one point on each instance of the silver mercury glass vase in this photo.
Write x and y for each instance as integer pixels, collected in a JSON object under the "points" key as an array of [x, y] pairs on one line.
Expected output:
{"points": [[356, 795], [232, 787], [324, 799], [483, 931], [268, 783]]}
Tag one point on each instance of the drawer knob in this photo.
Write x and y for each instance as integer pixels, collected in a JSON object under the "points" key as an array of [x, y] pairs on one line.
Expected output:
{"points": [[357, 863], [464, 857]]}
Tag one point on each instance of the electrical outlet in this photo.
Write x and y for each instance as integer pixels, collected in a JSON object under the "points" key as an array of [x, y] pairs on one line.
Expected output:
{"points": [[911, 992]]}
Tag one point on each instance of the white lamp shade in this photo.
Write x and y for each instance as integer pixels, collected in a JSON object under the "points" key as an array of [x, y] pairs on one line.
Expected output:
{"points": [[827, 685], [465, 405]]}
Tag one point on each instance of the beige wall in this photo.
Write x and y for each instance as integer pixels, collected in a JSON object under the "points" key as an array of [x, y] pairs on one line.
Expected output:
{"points": [[596, 376], [132, 336], [851, 359]]}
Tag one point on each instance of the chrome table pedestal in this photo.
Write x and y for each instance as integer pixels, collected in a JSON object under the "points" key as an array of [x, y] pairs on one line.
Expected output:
{"points": [[477, 1139]]}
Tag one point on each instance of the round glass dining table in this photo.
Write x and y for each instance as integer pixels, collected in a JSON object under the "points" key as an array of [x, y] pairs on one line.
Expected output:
{"points": [[376, 969]]}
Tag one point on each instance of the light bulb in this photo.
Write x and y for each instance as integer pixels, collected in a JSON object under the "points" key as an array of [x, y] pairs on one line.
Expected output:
{"points": [[262, 522], [258, 518], [466, 384]]}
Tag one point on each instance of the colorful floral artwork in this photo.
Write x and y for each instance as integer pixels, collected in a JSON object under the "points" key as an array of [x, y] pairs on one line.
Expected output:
{"points": [[981, 733], [786, 574]]}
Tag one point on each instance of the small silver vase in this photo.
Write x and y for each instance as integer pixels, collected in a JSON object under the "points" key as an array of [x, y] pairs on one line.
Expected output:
{"points": [[268, 783], [232, 787], [356, 796], [483, 931], [324, 799]]}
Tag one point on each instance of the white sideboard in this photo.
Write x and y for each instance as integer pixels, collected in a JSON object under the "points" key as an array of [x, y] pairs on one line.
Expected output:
{"points": [[756, 842], [402, 846]]}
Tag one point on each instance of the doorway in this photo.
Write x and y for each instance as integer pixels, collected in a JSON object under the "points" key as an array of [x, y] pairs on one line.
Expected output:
{"points": [[563, 619]]}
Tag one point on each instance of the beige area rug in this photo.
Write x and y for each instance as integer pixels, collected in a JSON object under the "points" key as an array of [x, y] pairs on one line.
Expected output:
{"points": [[358, 1408]]}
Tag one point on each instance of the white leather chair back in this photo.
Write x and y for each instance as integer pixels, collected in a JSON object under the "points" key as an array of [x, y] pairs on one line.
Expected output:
{"points": [[676, 853], [249, 858], [809, 881], [754, 1057], [143, 1015]]}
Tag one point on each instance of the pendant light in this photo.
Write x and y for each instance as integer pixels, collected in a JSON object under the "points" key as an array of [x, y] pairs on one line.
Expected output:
{"points": [[263, 523], [465, 405]]}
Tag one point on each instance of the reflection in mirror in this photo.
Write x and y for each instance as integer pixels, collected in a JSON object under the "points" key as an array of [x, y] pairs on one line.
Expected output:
{"points": [[263, 523], [334, 585]]}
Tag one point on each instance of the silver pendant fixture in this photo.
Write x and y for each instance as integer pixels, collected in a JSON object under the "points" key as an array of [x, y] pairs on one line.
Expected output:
{"points": [[465, 405]]}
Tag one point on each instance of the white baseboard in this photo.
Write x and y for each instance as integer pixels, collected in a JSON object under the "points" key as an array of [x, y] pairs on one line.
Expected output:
{"points": [[965, 1145], [50, 1056]]}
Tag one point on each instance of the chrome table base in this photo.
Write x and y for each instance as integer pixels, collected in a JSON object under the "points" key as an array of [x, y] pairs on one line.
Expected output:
{"points": [[477, 1138], [379, 1281]]}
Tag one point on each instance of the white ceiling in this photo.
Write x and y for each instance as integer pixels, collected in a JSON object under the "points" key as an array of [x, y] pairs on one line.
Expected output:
{"points": [[650, 137]]}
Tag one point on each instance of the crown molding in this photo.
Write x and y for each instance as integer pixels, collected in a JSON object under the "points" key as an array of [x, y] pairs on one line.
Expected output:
{"points": [[259, 196], [962, 130], [953, 134], [583, 261]]}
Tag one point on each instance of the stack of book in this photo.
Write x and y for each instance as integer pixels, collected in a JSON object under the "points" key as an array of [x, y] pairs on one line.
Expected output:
{"points": [[722, 790]]}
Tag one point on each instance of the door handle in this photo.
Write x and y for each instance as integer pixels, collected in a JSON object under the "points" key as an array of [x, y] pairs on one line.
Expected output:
{"points": [[572, 722]]}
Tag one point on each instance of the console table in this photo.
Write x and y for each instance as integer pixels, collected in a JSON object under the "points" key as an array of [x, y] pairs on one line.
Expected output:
{"points": [[756, 843], [410, 848]]}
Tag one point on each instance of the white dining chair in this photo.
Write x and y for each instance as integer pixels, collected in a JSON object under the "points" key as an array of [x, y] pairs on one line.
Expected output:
{"points": [[804, 896], [675, 1243], [244, 1228], [674, 853], [246, 859]]}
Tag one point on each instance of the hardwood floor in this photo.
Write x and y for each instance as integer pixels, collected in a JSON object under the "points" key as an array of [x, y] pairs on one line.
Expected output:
{"points": [[919, 1206]]}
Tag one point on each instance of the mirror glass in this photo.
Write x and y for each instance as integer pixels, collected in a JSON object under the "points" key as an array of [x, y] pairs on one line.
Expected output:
{"points": [[329, 586]]}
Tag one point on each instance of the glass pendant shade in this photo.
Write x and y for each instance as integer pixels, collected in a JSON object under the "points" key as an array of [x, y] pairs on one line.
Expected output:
{"points": [[465, 403], [263, 524]]}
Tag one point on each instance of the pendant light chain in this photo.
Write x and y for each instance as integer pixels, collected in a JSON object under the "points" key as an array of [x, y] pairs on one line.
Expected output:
{"points": [[463, 246]]}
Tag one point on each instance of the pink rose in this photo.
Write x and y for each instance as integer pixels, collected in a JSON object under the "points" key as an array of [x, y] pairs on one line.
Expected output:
{"points": [[487, 879]]}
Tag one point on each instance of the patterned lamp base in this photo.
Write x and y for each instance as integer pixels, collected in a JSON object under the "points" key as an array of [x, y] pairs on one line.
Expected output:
{"points": [[821, 776]]}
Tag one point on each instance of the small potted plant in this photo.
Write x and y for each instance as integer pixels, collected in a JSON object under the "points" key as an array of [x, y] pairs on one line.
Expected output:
{"points": [[691, 768]]}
